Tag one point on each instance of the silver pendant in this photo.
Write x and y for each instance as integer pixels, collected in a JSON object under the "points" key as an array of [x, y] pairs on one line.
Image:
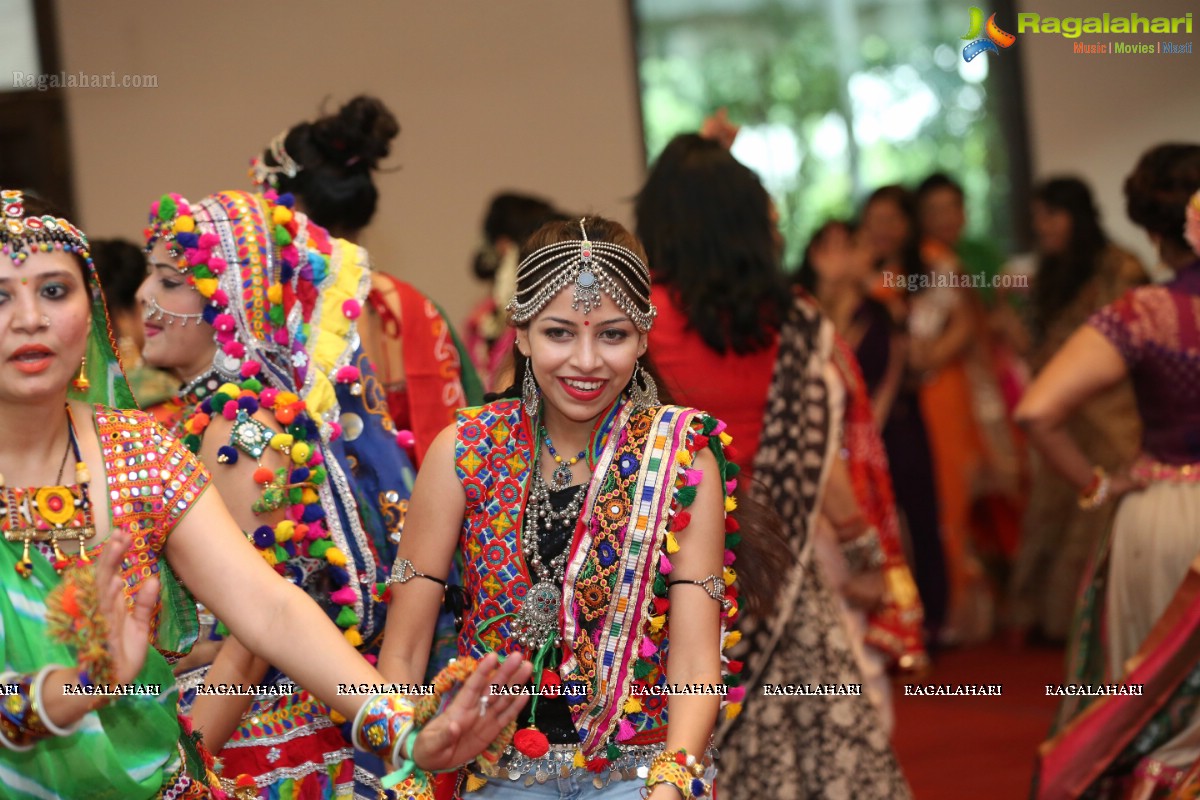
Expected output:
{"points": [[537, 618], [561, 477]]}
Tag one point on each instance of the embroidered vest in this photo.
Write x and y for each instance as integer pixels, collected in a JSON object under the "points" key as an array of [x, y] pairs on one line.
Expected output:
{"points": [[614, 619]]}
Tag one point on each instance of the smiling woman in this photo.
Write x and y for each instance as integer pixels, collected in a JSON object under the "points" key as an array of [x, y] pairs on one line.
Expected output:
{"points": [[586, 563]]}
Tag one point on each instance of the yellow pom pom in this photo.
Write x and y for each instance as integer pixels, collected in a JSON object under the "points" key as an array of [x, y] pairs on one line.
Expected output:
{"points": [[269, 556], [284, 531], [285, 399], [275, 293], [308, 497], [730, 577], [353, 637], [732, 710], [632, 706], [185, 224], [672, 543], [300, 453], [730, 504], [656, 623], [475, 782], [683, 457], [731, 638], [726, 439], [282, 442], [579, 761], [206, 286], [336, 557], [336, 718], [230, 389], [282, 215]]}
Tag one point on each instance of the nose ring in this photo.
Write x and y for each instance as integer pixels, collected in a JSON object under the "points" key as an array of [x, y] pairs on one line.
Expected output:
{"points": [[45, 321]]}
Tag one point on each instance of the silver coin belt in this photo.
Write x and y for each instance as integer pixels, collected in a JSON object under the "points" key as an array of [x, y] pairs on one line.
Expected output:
{"points": [[634, 764]]}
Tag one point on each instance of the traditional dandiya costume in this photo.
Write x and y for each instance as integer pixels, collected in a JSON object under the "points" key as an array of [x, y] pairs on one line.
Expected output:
{"points": [[794, 748], [283, 297], [136, 745], [1137, 621], [603, 633]]}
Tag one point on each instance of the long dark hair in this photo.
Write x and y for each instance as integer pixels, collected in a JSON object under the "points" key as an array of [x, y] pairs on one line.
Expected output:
{"points": [[337, 154], [806, 275], [910, 253], [515, 217], [1061, 276], [705, 219]]}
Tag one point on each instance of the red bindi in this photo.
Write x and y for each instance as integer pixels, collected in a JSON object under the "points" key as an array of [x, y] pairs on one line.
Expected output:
{"points": [[586, 323]]}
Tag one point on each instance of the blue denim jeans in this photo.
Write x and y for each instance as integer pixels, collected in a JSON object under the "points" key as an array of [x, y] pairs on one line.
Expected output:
{"points": [[569, 788]]}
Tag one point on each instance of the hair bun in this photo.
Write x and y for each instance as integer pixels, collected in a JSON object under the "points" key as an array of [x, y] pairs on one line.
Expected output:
{"points": [[358, 135]]}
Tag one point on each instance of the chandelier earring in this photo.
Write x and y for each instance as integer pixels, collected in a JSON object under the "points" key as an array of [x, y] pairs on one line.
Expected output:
{"points": [[643, 391], [530, 394]]}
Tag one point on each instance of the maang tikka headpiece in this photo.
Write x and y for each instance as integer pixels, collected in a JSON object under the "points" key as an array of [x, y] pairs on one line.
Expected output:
{"points": [[263, 173], [592, 268], [21, 235]]}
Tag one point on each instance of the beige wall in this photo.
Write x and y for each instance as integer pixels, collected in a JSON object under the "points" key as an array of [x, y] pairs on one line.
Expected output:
{"points": [[1093, 115], [528, 94]]}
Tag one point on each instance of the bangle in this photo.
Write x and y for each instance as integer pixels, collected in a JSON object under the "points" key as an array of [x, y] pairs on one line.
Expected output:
{"points": [[380, 722], [1096, 492], [403, 571], [39, 683], [864, 552], [680, 770]]}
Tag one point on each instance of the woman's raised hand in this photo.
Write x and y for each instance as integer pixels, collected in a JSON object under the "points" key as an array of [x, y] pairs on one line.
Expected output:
{"points": [[128, 630], [475, 717]]}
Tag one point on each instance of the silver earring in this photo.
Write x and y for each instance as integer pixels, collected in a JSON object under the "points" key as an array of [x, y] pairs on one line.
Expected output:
{"points": [[530, 395], [643, 391]]}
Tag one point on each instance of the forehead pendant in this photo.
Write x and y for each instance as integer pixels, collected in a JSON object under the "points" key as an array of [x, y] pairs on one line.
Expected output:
{"points": [[587, 288]]}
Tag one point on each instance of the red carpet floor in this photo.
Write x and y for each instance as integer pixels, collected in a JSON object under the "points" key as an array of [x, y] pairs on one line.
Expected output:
{"points": [[982, 748]]}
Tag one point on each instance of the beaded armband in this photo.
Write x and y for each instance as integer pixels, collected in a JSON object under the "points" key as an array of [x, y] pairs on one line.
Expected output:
{"points": [[680, 770]]}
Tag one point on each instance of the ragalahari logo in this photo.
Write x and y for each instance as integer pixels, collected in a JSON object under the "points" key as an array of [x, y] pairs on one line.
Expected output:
{"points": [[994, 40]]}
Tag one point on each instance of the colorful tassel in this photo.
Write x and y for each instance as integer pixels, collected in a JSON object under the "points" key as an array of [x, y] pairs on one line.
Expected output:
{"points": [[647, 648]]}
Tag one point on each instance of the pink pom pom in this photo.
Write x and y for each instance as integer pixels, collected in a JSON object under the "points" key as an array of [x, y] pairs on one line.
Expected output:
{"points": [[344, 596], [225, 337], [736, 694], [197, 255], [693, 477], [219, 298], [281, 336], [718, 430], [290, 254], [315, 532], [209, 240], [335, 431], [224, 322], [729, 558], [295, 512], [348, 374], [405, 439], [625, 731], [217, 265], [664, 564], [731, 486], [647, 648], [371, 659], [250, 369], [271, 194], [351, 309], [230, 411], [234, 349], [154, 208], [267, 396], [316, 458]]}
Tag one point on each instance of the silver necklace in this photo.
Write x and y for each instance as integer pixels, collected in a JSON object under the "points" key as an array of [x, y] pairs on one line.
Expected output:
{"points": [[537, 618]]}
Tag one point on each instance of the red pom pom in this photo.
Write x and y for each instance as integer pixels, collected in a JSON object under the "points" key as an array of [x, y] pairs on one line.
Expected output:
{"points": [[735, 666], [661, 604], [531, 742], [597, 765], [731, 525], [550, 678], [701, 442], [681, 521], [731, 453], [245, 781]]}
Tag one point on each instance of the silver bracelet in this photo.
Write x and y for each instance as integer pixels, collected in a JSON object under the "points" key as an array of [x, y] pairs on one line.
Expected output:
{"points": [[403, 571], [714, 585], [864, 552]]}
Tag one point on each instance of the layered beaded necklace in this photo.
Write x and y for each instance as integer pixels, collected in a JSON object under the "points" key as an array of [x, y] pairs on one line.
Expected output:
{"points": [[560, 478], [50, 513], [537, 618]]}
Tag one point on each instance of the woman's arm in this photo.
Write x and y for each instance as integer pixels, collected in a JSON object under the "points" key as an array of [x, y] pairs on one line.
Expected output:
{"points": [[1087, 364], [893, 378], [695, 624], [431, 529], [217, 715], [954, 340]]}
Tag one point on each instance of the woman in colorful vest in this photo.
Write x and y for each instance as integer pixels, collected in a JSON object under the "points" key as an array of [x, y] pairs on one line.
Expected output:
{"points": [[91, 611], [592, 521], [254, 309]]}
